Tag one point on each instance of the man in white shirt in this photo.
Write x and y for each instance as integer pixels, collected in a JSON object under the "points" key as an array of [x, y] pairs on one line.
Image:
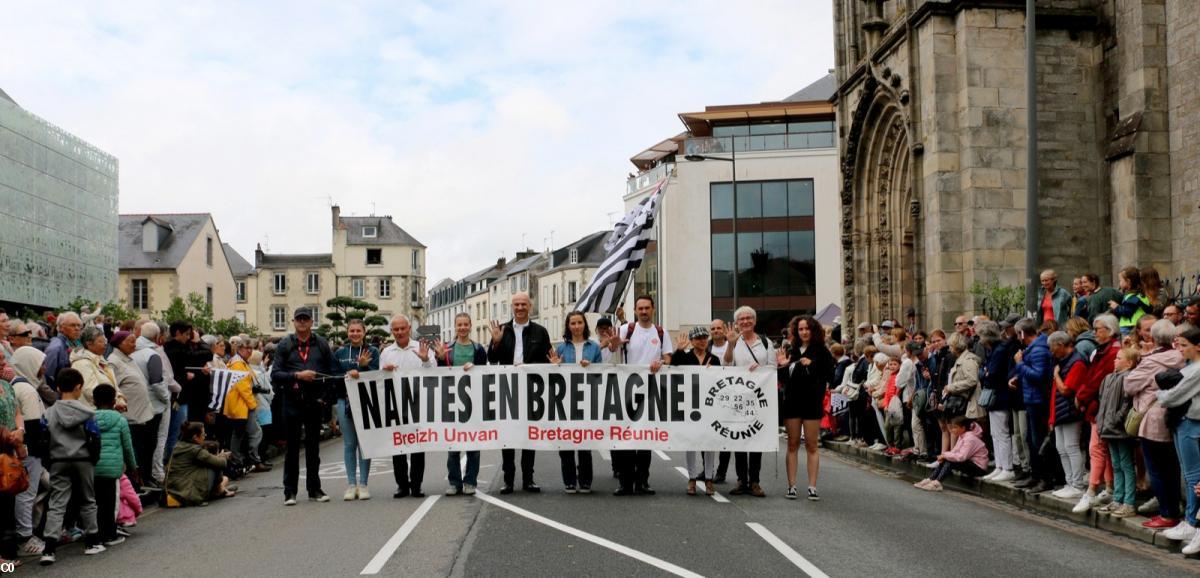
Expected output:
{"points": [[750, 350], [642, 343], [717, 346], [406, 354]]}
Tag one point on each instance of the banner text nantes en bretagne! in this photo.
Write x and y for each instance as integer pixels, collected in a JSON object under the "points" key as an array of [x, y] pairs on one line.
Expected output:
{"points": [[564, 407]]}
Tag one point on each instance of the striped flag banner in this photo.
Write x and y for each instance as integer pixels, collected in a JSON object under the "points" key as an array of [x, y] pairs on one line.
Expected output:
{"points": [[626, 248], [222, 381]]}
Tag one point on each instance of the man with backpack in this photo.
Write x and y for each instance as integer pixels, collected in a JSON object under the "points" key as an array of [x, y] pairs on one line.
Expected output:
{"points": [[74, 451], [641, 342], [302, 362]]}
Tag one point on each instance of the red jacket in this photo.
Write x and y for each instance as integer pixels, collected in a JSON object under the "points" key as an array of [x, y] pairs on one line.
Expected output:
{"points": [[1088, 396]]}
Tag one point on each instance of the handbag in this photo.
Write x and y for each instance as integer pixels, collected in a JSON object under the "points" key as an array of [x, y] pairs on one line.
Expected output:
{"points": [[1133, 421], [920, 400], [14, 478], [987, 399], [895, 412], [954, 405]]}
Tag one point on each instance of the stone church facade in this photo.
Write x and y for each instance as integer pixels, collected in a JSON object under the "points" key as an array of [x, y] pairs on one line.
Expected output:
{"points": [[932, 112]]}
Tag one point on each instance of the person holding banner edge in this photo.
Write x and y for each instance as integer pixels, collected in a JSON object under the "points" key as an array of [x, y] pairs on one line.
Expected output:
{"points": [[300, 360], [405, 354], [643, 343], [750, 350], [513, 343], [463, 353], [717, 345], [577, 347], [699, 355], [805, 369], [350, 358]]}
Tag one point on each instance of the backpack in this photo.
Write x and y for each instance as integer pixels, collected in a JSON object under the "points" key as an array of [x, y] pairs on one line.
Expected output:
{"points": [[91, 431], [629, 334], [14, 478]]}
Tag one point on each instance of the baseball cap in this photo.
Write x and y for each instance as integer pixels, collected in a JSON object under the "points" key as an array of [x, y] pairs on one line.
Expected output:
{"points": [[698, 332], [302, 312], [603, 322], [887, 324], [910, 312], [864, 326], [1010, 321]]}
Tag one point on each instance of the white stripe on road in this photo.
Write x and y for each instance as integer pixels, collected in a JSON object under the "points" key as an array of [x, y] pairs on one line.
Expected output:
{"points": [[793, 556], [663, 455], [389, 548], [606, 455], [636, 555], [716, 495]]}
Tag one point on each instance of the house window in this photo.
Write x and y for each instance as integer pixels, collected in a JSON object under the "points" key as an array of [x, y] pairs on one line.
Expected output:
{"points": [[416, 261], [208, 251], [241, 317], [572, 291], [495, 311], [280, 283], [140, 296], [513, 289], [370, 232], [312, 283], [554, 293], [524, 282], [241, 291], [385, 288], [358, 288], [374, 256], [573, 256], [208, 295], [279, 317]]}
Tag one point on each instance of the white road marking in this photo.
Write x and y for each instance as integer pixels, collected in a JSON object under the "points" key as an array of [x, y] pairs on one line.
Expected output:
{"points": [[606, 455], [389, 548], [636, 555], [793, 556], [663, 455], [716, 495]]}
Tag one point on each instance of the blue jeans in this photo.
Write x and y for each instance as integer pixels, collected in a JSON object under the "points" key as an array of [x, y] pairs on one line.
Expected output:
{"points": [[1187, 444], [350, 450], [454, 471], [177, 418]]}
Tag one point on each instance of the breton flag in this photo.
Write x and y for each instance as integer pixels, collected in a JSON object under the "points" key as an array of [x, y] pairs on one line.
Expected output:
{"points": [[222, 381], [626, 247]]}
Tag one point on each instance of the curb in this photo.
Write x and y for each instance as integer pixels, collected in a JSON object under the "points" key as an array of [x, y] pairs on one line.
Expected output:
{"points": [[1044, 503]]}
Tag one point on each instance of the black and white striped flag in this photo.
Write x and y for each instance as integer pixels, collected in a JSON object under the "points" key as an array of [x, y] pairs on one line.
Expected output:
{"points": [[626, 247], [222, 381]]}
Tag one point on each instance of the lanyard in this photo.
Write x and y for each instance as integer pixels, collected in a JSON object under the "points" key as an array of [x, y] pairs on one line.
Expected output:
{"points": [[302, 351]]}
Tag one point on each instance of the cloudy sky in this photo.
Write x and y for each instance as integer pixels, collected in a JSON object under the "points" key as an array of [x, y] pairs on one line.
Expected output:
{"points": [[474, 124]]}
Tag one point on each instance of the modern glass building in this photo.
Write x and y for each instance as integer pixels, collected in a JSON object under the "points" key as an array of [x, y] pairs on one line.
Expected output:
{"points": [[58, 213]]}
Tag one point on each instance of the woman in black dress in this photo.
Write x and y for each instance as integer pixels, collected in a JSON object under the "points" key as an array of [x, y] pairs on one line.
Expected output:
{"points": [[805, 369]]}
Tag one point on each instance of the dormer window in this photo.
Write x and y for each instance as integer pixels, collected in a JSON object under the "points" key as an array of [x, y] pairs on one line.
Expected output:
{"points": [[370, 232], [574, 256]]}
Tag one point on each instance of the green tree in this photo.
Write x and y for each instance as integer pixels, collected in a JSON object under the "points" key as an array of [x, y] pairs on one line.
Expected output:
{"points": [[342, 310], [998, 301], [118, 311], [233, 326], [194, 310]]}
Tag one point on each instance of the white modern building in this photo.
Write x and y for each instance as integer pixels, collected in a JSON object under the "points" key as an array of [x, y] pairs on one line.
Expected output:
{"points": [[774, 242]]}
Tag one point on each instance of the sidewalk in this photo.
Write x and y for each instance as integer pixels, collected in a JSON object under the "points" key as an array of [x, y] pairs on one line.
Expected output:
{"points": [[1043, 503]]}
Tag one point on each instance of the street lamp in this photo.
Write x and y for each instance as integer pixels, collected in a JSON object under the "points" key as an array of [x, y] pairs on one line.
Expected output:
{"points": [[733, 161]]}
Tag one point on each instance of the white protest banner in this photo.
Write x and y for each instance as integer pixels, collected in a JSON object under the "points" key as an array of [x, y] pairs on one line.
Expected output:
{"points": [[565, 407]]}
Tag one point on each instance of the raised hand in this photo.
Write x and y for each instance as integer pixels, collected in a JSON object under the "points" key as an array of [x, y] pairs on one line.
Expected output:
{"points": [[497, 332], [364, 358], [423, 350], [681, 341], [554, 358], [782, 358]]}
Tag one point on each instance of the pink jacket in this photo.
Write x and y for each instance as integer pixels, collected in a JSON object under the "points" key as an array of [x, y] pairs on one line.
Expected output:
{"points": [[1140, 385], [131, 506], [970, 447]]}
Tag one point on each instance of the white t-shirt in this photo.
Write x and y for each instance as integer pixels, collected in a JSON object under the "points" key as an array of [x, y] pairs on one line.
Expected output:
{"points": [[519, 344], [762, 354], [644, 345], [406, 357], [719, 351]]}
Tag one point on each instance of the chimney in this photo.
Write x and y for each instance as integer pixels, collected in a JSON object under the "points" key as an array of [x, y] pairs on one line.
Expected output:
{"points": [[501, 262], [258, 255], [337, 216]]}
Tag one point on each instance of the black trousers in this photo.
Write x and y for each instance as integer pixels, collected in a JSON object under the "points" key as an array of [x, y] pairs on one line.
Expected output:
{"points": [[145, 437], [722, 464], [409, 478], [747, 466], [8, 533], [947, 466], [573, 475], [509, 467], [633, 467], [302, 421], [106, 507]]}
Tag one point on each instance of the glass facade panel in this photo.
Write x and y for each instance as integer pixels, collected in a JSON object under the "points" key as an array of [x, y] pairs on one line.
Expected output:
{"points": [[772, 128], [722, 265], [775, 199], [731, 130], [800, 198], [820, 140], [765, 136], [775, 270], [802, 260], [750, 269], [749, 200]]}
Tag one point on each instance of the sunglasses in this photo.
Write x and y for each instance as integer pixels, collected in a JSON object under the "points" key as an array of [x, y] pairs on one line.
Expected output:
{"points": [[23, 334]]}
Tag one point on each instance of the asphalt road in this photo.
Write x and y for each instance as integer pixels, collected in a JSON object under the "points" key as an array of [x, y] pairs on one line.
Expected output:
{"points": [[867, 523]]}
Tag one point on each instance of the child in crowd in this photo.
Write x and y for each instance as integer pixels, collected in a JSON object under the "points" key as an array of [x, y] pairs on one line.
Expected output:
{"points": [[1114, 407], [116, 456], [194, 474], [969, 456], [893, 428], [130, 508], [71, 469]]}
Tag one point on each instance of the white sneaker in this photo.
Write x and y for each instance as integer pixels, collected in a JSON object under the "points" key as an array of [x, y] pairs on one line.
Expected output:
{"points": [[1193, 546], [93, 550], [991, 475], [1104, 497], [364, 493], [1182, 531], [468, 490], [1149, 507], [1069, 493], [453, 491], [1085, 503], [1005, 476], [877, 447], [351, 494], [32, 547]]}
